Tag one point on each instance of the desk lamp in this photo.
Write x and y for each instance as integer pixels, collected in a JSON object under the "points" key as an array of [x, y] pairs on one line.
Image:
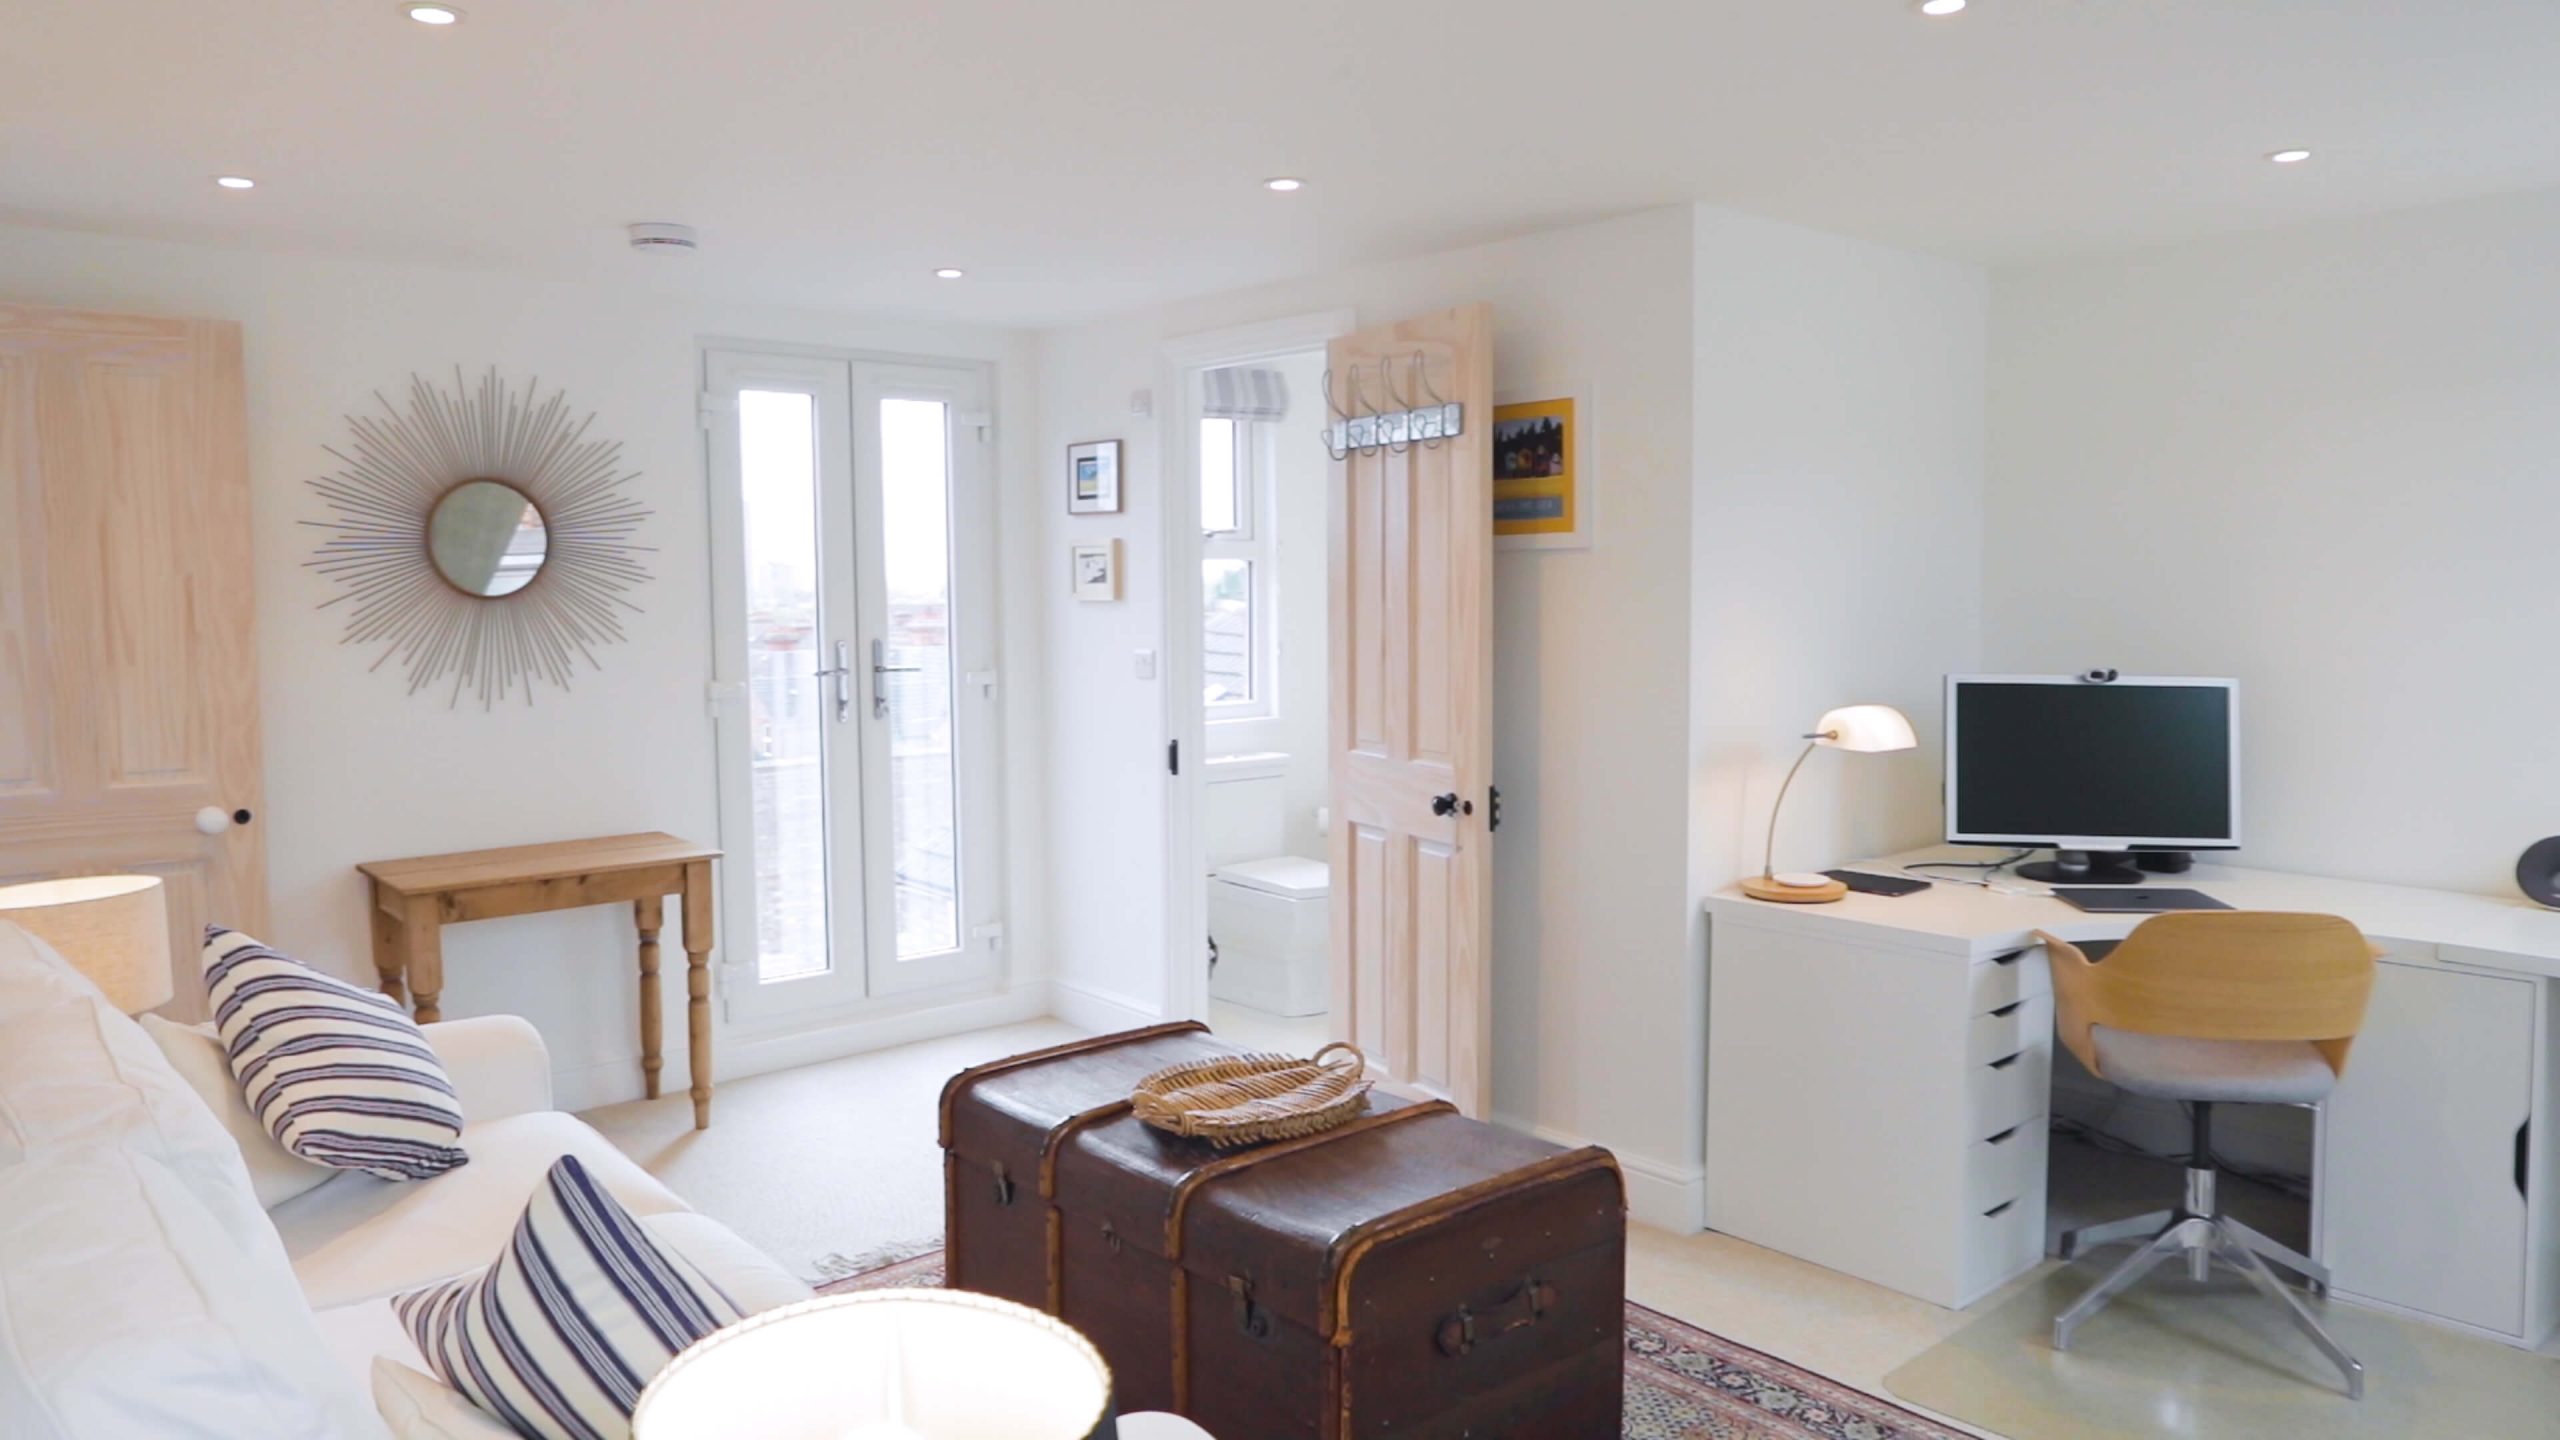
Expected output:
{"points": [[1866, 729]]}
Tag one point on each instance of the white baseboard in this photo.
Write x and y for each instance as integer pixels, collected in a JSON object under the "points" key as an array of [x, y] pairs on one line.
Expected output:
{"points": [[1660, 1194], [737, 1056], [1100, 1011]]}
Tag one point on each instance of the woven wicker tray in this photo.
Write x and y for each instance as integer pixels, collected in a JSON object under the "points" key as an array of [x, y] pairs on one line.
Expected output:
{"points": [[1247, 1099]]}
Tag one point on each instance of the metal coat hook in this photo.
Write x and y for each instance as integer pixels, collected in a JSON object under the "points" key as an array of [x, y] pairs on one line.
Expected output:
{"points": [[1337, 430], [1433, 437], [1364, 428], [1399, 431]]}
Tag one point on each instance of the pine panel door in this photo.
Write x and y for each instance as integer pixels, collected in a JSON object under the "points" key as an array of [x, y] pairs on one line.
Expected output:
{"points": [[1412, 723], [128, 669]]}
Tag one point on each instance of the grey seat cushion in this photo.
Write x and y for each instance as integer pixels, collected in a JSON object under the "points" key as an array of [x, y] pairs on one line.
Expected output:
{"points": [[2249, 1072]]}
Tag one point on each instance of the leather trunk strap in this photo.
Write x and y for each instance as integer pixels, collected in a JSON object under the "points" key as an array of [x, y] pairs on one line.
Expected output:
{"points": [[960, 1084], [1226, 1165]]}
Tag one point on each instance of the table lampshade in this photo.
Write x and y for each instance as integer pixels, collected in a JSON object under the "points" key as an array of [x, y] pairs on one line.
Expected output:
{"points": [[1868, 729], [112, 928], [1862, 729], [884, 1365]]}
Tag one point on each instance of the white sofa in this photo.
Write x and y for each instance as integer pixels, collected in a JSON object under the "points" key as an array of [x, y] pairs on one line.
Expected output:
{"points": [[146, 1291]]}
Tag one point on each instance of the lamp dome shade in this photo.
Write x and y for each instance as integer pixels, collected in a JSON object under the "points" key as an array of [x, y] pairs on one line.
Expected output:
{"points": [[884, 1365], [112, 928], [1870, 729]]}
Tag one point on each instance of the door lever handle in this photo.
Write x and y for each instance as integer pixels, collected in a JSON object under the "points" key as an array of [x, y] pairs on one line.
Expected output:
{"points": [[842, 672], [880, 668], [1444, 804]]}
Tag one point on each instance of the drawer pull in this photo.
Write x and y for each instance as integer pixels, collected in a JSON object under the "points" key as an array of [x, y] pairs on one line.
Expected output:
{"points": [[2005, 1011], [2012, 958], [2004, 1137], [2004, 1064], [1996, 1211]]}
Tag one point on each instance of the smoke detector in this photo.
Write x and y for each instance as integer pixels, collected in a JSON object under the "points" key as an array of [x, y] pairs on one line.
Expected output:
{"points": [[657, 238]]}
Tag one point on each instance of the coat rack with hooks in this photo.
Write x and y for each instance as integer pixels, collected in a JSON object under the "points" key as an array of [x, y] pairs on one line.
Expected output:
{"points": [[1416, 415]]}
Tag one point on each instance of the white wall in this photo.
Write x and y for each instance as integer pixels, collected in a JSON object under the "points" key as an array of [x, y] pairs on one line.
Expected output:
{"points": [[1598, 1019], [1301, 476], [2325, 460], [1838, 553], [358, 770]]}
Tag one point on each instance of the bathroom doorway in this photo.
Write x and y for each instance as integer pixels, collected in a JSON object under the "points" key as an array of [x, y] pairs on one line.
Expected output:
{"points": [[1262, 483], [1251, 876]]}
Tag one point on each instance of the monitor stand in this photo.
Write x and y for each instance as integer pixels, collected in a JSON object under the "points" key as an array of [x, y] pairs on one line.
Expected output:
{"points": [[2084, 867]]}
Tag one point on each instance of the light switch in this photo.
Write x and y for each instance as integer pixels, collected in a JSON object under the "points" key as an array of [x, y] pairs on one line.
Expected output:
{"points": [[1146, 664], [1142, 403]]}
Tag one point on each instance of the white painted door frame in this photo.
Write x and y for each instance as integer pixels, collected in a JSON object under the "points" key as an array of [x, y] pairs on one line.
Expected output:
{"points": [[1186, 930]]}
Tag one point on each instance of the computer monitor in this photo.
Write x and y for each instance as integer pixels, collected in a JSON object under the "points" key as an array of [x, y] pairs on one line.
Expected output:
{"points": [[2106, 771]]}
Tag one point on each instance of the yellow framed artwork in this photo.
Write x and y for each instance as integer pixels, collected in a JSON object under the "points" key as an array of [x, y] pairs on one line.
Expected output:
{"points": [[1541, 500]]}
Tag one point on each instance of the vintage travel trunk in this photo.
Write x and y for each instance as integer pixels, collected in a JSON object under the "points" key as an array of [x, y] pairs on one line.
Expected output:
{"points": [[1411, 1274]]}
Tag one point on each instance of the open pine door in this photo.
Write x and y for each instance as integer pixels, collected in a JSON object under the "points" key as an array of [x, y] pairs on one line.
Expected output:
{"points": [[1412, 728], [128, 673]]}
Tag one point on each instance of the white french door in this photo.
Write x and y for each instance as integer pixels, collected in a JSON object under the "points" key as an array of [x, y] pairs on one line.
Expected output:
{"points": [[850, 536]]}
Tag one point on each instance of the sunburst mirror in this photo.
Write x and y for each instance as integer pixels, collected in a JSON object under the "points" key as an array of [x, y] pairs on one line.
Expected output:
{"points": [[479, 535]]}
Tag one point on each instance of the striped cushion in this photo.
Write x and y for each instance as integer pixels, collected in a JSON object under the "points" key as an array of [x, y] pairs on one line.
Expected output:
{"points": [[338, 1074], [559, 1336]]}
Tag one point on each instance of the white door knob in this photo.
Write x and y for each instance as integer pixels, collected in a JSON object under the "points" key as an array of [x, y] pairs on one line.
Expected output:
{"points": [[213, 820]]}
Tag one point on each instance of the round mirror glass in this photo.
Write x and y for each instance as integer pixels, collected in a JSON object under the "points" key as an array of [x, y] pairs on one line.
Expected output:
{"points": [[487, 538]]}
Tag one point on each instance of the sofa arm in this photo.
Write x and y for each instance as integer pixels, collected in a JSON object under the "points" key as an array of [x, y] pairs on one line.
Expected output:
{"points": [[499, 1065]]}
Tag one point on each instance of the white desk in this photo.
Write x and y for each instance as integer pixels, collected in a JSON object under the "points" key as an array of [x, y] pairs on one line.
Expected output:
{"points": [[1879, 1073]]}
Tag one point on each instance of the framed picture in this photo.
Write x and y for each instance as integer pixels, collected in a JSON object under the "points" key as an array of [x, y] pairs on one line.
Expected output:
{"points": [[1094, 571], [1541, 496], [1093, 478]]}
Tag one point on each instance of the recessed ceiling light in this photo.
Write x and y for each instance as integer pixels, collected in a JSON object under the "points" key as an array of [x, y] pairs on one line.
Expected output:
{"points": [[235, 182], [1284, 183], [1941, 7], [948, 272], [2289, 157], [434, 14]]}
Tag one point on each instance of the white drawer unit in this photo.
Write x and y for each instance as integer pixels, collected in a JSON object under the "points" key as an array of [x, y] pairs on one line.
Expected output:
{"points": [[1910, 1146]]}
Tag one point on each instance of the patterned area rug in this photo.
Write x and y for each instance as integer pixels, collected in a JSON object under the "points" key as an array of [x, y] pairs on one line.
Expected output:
{"points": [[1682, 1383]]}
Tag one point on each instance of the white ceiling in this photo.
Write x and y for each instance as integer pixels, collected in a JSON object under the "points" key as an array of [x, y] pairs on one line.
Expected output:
{"points": [[1084, 156]]}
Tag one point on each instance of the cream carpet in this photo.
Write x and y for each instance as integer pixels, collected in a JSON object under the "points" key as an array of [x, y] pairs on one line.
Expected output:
{"points": [[829, 1168], [2219, 1362]]}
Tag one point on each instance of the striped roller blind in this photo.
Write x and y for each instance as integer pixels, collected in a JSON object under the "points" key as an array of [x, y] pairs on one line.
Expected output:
{"points": [[1243, 392]]}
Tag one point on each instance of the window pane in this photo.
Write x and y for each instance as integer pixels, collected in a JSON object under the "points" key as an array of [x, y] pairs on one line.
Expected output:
{"points": [[777, 462], [915, 498], [1227, 649], [1217, 476]]}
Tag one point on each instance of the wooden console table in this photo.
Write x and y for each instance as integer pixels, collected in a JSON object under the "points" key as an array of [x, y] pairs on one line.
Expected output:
{"points": [[413, 900]]}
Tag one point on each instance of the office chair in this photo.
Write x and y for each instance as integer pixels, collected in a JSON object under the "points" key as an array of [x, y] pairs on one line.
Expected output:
{"points": [[2237, 1007]]}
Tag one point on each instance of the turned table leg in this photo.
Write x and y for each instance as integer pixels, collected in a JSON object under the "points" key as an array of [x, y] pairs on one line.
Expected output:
{"points": [[652, 915], [389, 955], [422, 950], [697, 985]]}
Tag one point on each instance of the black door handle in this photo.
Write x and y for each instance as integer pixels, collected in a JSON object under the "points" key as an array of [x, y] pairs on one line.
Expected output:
{"points": [[1445, 804]]}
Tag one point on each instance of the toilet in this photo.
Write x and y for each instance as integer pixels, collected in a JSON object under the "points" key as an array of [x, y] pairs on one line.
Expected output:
{"points": [[1269, 911]]}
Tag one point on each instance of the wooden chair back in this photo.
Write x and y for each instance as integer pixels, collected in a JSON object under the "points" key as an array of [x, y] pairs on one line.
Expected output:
{"points": [[2219, 975]]}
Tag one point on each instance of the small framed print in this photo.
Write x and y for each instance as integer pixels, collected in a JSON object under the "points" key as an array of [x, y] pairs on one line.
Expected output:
{"points": [[1094, 571], [1541, 495], [1093, 478]]}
